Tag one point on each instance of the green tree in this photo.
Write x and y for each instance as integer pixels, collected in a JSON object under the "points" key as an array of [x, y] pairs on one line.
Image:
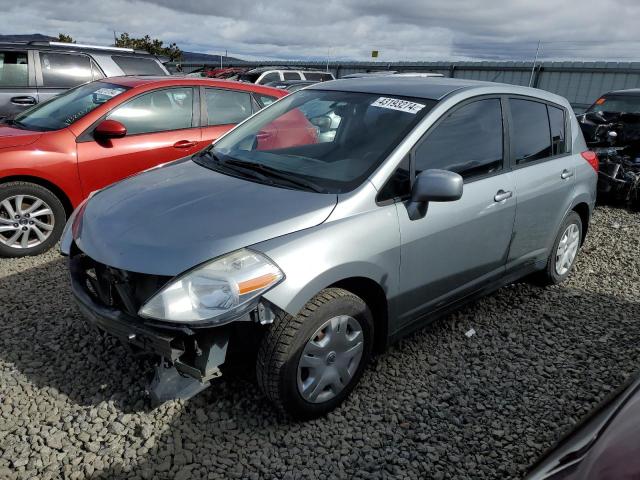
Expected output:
{"points": [[63, 37], [154, 46]]}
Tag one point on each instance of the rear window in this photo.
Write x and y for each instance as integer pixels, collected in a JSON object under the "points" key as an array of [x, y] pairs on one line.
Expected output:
{"points": [[616, 103], [138, 66], [531, 137], [14, 69]]}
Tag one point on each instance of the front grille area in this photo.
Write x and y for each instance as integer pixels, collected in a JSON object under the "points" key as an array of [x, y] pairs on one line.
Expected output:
{"points": [[116, 288]]}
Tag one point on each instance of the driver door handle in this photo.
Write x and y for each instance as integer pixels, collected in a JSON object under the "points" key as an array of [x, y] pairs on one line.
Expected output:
{"points": [[566, 174], [184, 144], [501, 195], [25, 100]]}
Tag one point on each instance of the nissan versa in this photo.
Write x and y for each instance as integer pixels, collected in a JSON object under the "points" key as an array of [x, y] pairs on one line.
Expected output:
{"points": [[392, 201]]}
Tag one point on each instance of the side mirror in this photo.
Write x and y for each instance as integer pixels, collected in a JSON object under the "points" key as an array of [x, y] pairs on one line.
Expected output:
{"points": [[433, 186], [110, 129]]}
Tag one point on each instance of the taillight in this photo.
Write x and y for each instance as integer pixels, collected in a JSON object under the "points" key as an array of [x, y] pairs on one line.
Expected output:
{"points": [[592, 158]]}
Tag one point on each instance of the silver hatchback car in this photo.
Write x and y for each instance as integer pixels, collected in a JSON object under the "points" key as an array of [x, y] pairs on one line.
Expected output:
{"points": [[327, 226]]}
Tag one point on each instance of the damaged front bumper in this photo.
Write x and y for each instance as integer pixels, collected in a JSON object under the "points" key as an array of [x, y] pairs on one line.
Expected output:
{"points": [[189, 357]]}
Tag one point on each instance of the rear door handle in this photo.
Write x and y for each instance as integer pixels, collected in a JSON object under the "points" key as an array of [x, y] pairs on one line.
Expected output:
{"points": [[26, 100], [184, 144], [502, 195], [566, 174]]}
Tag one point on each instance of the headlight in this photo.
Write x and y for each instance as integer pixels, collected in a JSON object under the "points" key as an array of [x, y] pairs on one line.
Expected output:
{"points": [[214, 288]]}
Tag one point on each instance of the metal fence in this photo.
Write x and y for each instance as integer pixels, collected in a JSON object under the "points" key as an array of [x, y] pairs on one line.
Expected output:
{"points": [[580, 82]]}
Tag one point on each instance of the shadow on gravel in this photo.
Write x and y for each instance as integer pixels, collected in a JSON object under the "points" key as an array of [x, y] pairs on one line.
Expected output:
{"points": [[436, 405]]}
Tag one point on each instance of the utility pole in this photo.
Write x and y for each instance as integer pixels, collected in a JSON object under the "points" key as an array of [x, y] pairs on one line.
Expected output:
{"points": [[533, 68]]}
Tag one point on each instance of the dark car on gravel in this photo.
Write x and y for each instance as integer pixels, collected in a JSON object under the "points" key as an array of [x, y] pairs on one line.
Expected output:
{"points": [[392, 201], [604, 446]]}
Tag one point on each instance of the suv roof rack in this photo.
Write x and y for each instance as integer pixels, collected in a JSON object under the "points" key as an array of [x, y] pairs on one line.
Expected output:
{"points": [[83, 45]]}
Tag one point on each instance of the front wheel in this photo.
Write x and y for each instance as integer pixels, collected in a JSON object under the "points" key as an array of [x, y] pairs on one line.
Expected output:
{"points": [[31, 219], [308, 364]]}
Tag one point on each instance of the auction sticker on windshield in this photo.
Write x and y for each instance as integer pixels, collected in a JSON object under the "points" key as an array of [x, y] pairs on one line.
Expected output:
{"points": [[397, 104], [109, 92]]}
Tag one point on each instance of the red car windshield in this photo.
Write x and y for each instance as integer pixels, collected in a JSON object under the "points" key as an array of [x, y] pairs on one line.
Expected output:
{"points": [[333, 139], [65, 109]]}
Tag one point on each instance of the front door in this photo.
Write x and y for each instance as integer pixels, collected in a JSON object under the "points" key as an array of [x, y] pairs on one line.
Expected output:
{"points": [[457, 246], [160, 128]]}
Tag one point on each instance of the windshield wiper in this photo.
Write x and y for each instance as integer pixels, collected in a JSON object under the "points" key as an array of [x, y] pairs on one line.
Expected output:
{"points": [[217, 162], [275, 173]]}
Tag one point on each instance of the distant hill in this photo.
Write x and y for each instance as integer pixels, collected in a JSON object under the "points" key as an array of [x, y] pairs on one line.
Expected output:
{"points": [[187, 57], [195, 57]]}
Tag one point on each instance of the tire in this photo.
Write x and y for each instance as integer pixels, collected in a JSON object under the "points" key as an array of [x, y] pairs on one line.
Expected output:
{"points": [[41, 231], [279, 367], [550, 275]]}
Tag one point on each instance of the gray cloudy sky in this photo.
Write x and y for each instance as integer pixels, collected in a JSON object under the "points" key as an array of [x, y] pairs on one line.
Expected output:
{"points": [[349, 29]]}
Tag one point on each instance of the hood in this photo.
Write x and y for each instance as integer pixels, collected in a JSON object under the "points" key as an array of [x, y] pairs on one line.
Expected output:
{"points": [[169, 219], [15, 137]]}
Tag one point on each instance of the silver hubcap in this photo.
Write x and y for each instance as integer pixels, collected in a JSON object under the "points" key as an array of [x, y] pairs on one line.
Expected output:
{"points": [[25, 221], [567, 249], [330, 359]]}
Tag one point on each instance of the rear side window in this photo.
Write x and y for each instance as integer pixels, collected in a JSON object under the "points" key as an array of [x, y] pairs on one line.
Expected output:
{"points": [[226, 106], [318, 76], [14, 69], [558, 136], [531, 137], [468, 141], [138, 65], [157, 111], [64, 70], [291, 76]]}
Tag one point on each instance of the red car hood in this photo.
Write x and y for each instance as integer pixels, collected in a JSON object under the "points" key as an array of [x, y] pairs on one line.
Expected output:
{"points": [[15, 137]]}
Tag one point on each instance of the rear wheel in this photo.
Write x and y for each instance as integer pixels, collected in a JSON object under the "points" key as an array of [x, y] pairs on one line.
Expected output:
{"points": [[31, 219], [308, 364], [564, 252]]}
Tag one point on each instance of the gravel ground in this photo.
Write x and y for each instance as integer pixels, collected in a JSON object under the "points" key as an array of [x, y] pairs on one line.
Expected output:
{"points": [[436, 405]]}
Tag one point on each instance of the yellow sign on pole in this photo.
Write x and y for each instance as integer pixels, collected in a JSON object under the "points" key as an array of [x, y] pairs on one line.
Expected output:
{"points": [[374, 53]]}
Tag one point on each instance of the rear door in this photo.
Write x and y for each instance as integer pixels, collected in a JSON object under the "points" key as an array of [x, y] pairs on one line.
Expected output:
{"points": [[544, 176], [222, 110], [56, 72], [162, 125], [458, 246], [17, 81]]}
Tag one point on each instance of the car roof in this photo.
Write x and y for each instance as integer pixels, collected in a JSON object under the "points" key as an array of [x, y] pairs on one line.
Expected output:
{"points": [[171, 80], [433, 88], [629, 91], [74, 47]]}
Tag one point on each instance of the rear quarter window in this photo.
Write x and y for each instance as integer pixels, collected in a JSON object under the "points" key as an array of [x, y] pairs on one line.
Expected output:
{"points": [[138, 65]]}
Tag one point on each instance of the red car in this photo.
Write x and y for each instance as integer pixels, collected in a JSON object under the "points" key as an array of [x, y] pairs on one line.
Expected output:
{"points": [[55, 154]]}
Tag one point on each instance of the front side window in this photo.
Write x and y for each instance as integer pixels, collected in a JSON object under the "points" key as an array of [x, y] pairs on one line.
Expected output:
{"points": [[558, 135], [158, 111], [531, 137], [330, 138], [63, 70], [226, 106], [468, 141], [138, 65], [63, 110], [270, 77], [14, 69]]}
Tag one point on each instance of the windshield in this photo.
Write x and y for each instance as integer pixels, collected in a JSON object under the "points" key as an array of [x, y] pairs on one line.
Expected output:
{"points": [[617, 103], [63, 110], [333, 139]]}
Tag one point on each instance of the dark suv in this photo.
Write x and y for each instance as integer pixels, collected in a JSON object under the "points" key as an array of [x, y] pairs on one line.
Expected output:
{"points": [[32, 72]]}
